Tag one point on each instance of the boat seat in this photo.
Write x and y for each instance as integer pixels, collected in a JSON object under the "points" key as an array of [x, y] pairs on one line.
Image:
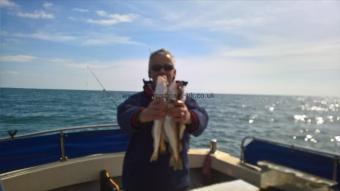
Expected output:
{"points": [[235, 185]]}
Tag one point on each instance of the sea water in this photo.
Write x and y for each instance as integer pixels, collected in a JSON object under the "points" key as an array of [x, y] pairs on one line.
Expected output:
{"points": [[312, 122]]}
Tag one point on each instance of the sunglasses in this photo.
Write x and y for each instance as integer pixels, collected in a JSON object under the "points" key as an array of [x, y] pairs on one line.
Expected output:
{"points": [[158, 67]]}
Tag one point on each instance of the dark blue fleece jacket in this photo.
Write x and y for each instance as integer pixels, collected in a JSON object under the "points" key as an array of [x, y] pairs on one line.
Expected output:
{"points": [[139, 173]]}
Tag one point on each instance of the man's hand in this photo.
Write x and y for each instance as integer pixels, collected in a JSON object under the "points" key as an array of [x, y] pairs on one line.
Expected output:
{"points": [[155, 110], [180, 113]]}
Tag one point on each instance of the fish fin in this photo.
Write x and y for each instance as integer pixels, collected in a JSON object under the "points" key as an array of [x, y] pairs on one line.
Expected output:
{"points": [[176, 164]]}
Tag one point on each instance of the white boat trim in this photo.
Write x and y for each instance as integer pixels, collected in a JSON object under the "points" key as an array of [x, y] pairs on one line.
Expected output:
{"points": [[85, 169]]}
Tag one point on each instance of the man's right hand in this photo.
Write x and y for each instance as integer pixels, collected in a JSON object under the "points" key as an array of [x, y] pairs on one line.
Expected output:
{"points": [[155, 110]]}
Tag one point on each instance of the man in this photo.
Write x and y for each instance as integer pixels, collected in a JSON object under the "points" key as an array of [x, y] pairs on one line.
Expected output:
{"points": [[136, 116]]}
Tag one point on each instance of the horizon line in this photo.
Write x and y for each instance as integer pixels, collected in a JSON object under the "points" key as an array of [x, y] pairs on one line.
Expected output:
{"points": [[217, 93]]}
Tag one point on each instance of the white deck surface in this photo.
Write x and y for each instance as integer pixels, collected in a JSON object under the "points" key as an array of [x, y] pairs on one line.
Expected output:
{"points": [[236, 185]]}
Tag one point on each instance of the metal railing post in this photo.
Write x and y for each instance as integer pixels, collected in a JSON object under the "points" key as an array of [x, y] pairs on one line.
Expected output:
{"points": [[335, 168], [62, 147], [213, 146], [243, 142]]}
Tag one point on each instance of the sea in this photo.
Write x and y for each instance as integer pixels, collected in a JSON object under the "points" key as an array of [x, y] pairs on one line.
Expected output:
{"points": [[312, 122]]}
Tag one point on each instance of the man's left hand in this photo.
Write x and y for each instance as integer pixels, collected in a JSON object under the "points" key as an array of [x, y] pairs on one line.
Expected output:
{"points": [[180, 113]]}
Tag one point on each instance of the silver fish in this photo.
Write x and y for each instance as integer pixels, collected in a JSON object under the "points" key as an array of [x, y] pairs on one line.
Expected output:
{"points": [[157, 131], [172, 131], [181, 95]]}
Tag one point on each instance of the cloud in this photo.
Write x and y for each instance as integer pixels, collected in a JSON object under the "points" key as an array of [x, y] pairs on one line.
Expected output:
{"points": [[102, 13], [7, 3], [72, 74], [69, 62], [83, 40], [47, 36], [72, 63], [108, 40], [279, 57], [47, 5], [17, 58], [66, 62], [72, 18], [78, 64], [111, 19], [224, 16], [275, 50], [212, 23], [104, 65], [244, 18], [81, 10], [225, 24], [271, 76], [9, 72], [36, 15]]}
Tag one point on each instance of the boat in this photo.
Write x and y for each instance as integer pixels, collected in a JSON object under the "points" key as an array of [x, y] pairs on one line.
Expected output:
{"points": [[77, 158]]}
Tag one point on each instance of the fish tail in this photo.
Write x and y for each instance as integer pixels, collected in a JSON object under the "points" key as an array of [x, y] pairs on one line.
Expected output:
{"points": [[172, 162], [176, 163], [179, 164], [154, 156], [156, 134]]}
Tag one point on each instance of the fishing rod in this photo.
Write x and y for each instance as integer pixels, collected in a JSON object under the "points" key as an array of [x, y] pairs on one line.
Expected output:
{"points": [[103, 88], [94, 75]]}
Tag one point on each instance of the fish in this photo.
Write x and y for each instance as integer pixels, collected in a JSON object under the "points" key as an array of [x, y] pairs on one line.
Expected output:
{"points": [[167, 129], [174, 131], [181, 95], [157, 129]]}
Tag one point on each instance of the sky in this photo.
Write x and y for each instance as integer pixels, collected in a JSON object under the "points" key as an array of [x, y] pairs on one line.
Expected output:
{"points": [[235, 47]]}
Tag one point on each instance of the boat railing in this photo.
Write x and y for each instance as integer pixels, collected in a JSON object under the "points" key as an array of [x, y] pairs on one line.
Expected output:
{"points": [[60, 144], [61, 131]]}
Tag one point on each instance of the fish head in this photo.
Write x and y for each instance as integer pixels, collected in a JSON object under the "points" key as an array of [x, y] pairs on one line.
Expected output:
{"points": [[172, 91], [161, 86], [181, 95]]}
